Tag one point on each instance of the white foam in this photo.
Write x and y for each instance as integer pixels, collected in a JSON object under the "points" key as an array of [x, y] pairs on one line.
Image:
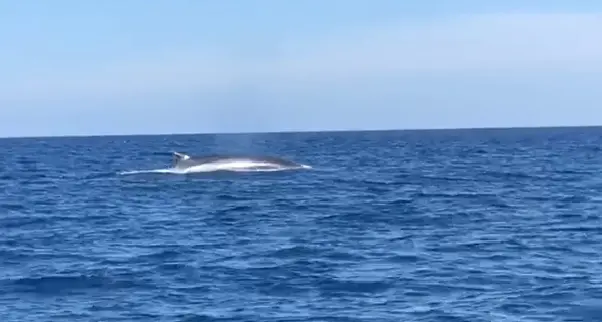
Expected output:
{"points": [[166, 171], [232, 166]]}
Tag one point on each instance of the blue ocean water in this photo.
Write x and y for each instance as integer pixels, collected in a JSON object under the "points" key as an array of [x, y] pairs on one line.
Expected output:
{"points": [[458, 225]]}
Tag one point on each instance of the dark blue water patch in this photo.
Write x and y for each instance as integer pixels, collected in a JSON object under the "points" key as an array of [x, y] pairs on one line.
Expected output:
{"points": [[467, 225]]}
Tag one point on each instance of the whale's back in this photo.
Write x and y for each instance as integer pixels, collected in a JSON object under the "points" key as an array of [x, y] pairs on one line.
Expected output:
{"points": [[185, 161]]}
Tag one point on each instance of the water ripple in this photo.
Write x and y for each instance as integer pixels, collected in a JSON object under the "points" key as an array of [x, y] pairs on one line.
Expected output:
{"points": [[388, 226]]}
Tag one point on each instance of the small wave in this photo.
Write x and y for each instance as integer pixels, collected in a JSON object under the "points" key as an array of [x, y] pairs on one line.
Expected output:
{"points": [[230, 167]]}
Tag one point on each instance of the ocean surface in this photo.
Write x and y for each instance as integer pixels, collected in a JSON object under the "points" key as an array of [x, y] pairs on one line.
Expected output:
{"points": [[456, 225]]}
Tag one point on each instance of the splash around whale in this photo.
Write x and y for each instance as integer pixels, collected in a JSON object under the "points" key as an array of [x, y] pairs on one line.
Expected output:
{"points": [[184, 164]]}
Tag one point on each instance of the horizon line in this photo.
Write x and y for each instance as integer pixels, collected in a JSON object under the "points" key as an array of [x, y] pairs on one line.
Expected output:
{"points": [[418, 129]]}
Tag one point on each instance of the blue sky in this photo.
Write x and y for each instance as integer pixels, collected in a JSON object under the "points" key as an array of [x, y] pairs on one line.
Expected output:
{"points": [[182, 66]]}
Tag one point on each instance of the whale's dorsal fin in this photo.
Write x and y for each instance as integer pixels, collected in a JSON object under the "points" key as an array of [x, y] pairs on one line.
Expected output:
{"points": [[181, 156], [177, 157]]}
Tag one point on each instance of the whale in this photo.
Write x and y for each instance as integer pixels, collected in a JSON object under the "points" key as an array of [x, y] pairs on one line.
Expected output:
{"points": [[232, 162]]}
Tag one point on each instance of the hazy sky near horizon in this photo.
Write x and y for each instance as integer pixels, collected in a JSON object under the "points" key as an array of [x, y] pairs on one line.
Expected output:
{"points": [[72, 67]]}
